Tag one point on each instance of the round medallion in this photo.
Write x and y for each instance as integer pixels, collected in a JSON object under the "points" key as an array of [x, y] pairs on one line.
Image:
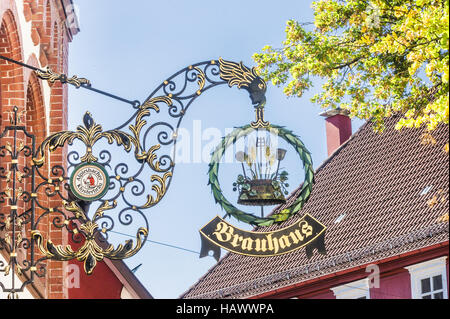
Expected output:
{"points": [[89, 181]]}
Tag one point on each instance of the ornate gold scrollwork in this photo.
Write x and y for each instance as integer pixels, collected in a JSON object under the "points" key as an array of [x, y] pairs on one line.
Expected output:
{"points": [[89, 134], [90, 252], [93, 233], [144, 110], [52, 77], [201, 80], [237, 73], [159, 189]]}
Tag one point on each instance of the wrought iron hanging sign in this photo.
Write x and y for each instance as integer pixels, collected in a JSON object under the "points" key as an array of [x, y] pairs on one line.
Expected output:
{"points": [[95, 193], [260, 188]]}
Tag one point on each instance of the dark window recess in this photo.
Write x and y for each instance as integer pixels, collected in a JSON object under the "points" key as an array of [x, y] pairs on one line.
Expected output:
{"points": [[437, 282], [426, 285], [431, 288], [439, 295]]}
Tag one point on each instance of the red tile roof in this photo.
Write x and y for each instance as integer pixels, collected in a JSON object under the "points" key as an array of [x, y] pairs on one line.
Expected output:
{"points": [[377, 181]]}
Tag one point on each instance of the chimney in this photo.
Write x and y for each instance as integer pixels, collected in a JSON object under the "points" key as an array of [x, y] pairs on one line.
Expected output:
{"points": [[338, 126]]}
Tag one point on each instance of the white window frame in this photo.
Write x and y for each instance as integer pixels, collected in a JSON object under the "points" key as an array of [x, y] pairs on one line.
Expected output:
{"points": [[428, 269], [353, 290]]}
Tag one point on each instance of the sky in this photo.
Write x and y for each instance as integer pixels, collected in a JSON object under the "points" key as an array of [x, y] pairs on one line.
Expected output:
{"points": [[128, 48]]}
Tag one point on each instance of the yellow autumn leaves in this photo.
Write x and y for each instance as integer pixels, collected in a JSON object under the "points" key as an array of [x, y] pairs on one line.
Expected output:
{"points": [[376, 58]]}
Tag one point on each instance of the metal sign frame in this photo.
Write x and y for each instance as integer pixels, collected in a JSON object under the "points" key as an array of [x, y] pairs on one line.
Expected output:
{"points": [[174, 96]]}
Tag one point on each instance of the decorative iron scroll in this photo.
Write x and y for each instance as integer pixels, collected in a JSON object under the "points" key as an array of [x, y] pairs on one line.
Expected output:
{"points": [[52, 77], [18, 195], [91, 194], [89, 220]]}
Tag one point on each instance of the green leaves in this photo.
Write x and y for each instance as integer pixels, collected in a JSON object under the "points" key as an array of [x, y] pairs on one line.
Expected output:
{"points": [[376, 58]]}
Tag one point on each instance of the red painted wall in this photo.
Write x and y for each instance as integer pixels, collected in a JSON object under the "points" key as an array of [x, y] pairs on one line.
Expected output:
{"points": [[396, 286], [101, 284], [395, 281]]}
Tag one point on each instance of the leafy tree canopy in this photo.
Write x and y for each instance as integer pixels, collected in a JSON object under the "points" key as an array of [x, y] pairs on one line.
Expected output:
{"points": [[376, 58]]}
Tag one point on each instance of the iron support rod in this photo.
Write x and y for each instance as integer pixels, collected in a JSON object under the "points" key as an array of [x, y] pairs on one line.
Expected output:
{"points": [[20, 63], [134, 103]]}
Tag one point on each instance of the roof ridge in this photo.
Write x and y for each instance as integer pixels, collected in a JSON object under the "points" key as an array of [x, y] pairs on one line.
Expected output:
{"points": [[320, 167], [343, 145]]}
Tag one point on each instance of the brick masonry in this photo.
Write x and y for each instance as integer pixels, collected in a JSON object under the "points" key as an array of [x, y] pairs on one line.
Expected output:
{"points": [[35, 32]]}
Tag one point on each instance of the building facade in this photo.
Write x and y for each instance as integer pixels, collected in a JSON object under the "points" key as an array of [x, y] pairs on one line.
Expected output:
{"points": [[384, 199], [38, 33]]}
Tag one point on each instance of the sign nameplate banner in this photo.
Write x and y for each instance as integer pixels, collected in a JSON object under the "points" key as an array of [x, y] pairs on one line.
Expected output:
{"points": [[218, 233]]}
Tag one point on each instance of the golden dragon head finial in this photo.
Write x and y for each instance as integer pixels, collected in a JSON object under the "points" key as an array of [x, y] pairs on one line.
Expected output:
{"points": [[245, 78]]}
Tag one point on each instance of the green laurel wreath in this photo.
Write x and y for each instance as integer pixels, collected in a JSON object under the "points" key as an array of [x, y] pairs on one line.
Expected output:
{"points": [[285, 214]]}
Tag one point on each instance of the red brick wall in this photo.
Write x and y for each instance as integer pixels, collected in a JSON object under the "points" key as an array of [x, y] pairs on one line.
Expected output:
{"points": [[20, 87]]}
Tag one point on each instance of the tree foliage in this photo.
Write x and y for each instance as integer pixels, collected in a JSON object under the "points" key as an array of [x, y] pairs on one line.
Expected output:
{"points": [[376, 58]]}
